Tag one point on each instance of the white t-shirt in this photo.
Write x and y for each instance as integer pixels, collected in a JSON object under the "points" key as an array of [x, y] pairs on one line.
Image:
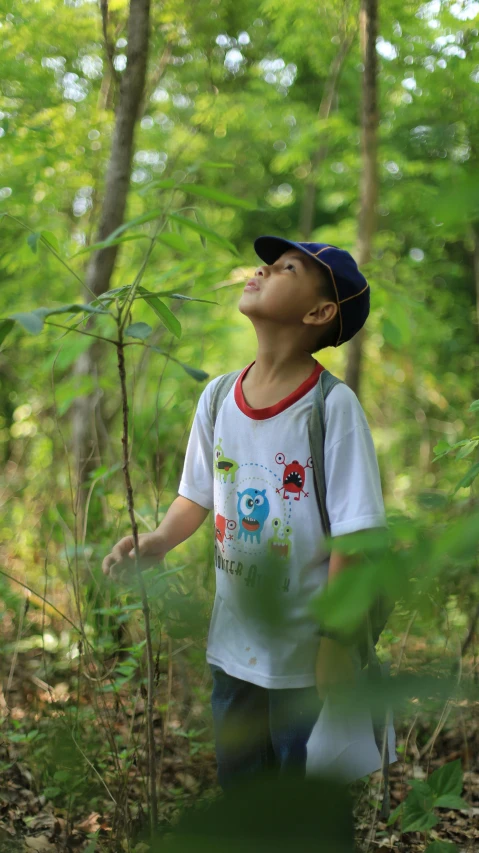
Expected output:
{"points": [[255, 472]]}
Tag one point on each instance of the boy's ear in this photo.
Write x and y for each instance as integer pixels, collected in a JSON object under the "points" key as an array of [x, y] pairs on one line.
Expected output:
{"points": [[321, 314]]}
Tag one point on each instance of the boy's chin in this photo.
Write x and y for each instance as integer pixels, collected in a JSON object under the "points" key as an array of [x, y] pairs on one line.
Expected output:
{"points": [[244, 308]]}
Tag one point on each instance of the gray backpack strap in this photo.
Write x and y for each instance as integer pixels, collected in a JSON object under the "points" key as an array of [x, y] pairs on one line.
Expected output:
{"points": [[317, 432], [222, 389]]}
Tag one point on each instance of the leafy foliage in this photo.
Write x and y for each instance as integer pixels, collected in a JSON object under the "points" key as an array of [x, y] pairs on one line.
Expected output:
{"points": [[225, 150], [441, 791]]}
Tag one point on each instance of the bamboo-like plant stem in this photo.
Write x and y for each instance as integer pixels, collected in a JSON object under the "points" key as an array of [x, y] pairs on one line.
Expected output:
{"points": [[144, 596]]}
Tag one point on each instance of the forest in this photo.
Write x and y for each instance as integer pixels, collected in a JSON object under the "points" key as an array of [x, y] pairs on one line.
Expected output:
{"points": [[139, 163]]}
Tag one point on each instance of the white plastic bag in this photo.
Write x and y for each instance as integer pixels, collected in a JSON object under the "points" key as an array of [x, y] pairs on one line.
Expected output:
{"points": [[342, 742]]}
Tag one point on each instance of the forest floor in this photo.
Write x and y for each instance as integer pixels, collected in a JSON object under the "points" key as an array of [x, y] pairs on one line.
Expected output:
{"points": [[57, 790]]}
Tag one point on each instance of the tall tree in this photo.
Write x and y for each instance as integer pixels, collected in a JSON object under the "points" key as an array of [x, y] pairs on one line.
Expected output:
{"points": [[369, 177], [101, 264], [346, 36]]}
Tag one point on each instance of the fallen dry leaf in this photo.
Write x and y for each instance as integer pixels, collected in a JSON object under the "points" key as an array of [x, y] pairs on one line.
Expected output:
{"points": [[90, 824], [46, 822], [41, 844]]}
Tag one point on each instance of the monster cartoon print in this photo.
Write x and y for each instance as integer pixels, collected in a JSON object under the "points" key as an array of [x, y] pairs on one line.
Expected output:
{"points": [[253, 510], [224, 467], [223, 524], [279, 544], [294, 477]]}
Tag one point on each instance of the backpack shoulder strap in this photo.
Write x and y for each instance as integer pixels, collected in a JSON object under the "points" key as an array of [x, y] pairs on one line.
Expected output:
{"points": [[222, 389], [317, 433]]}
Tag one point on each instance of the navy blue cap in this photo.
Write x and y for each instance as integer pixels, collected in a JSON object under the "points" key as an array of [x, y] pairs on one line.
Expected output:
{"points": [[351, 288]]}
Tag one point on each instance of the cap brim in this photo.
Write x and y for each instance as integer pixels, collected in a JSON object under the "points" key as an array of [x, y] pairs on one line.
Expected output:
{"points": [[269, 249]]}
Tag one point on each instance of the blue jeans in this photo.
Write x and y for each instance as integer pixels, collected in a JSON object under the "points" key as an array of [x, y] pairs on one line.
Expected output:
{"points": [[258, 729]]}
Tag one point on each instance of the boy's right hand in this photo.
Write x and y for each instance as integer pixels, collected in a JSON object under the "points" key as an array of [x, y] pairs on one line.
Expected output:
{"points": [[122, 556]]}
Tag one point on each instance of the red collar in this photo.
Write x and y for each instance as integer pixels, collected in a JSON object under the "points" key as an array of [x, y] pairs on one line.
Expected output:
{"points": [[271, 411]]}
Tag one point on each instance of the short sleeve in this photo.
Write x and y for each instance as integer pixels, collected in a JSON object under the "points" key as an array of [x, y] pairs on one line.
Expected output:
{"points": [[197, 482], [353, 486]]}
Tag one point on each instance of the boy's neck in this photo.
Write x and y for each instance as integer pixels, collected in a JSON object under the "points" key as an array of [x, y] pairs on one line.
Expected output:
{"points": [[279, 359]]}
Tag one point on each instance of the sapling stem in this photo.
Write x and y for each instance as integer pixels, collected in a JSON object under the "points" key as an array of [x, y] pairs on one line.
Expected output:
{"points": [[144, 595]]}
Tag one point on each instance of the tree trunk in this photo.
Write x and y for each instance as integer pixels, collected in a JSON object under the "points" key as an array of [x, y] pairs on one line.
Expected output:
{"points": [[369, 179], [86, 447], [310, 191]]}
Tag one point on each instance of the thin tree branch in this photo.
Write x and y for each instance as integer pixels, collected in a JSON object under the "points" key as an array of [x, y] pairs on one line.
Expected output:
{"points": [[81, 332], [144, 596], [109, 50], [41, 597]]}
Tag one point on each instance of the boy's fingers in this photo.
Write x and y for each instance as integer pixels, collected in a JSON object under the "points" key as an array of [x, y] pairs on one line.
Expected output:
{"points": [[105, 566], [117, 555], [108, 563], [119, 559], [120, 550]]}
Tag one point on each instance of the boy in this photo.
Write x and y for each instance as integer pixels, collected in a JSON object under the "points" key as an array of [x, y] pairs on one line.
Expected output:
{"points": [[254, 469]]}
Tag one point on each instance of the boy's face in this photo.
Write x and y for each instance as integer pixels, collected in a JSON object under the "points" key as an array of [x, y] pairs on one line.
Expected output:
{"points": [[285, 292]]}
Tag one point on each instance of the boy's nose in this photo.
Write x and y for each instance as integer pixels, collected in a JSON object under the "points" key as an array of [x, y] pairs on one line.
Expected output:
{"points": [[259, 271]]}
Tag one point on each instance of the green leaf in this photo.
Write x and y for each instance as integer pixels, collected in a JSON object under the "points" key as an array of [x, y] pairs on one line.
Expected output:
{"points": [[50, 238], [138, 220], [174, 241], [104, 244], [451, 801], [194, 372], [6, 327], [32, 241], [139, 330], [204, 231], [181, 271], [441, 448], [162, 311], [447, 779], [395, 814], [457, 538], [200, 219], [110, 295], [418, 815], [432, 500], [420, 822], [344, 602], [75, 308], [204, 192], [370, 539], [186, 298], [421, 787], [32, 321], [474, 407], [468, 478], [467, 449], [63, 775], [441, 847], [51, 792]]}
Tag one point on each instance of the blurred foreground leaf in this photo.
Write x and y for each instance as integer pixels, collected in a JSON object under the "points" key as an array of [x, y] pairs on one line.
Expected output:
{"points": [[269, 814]]}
